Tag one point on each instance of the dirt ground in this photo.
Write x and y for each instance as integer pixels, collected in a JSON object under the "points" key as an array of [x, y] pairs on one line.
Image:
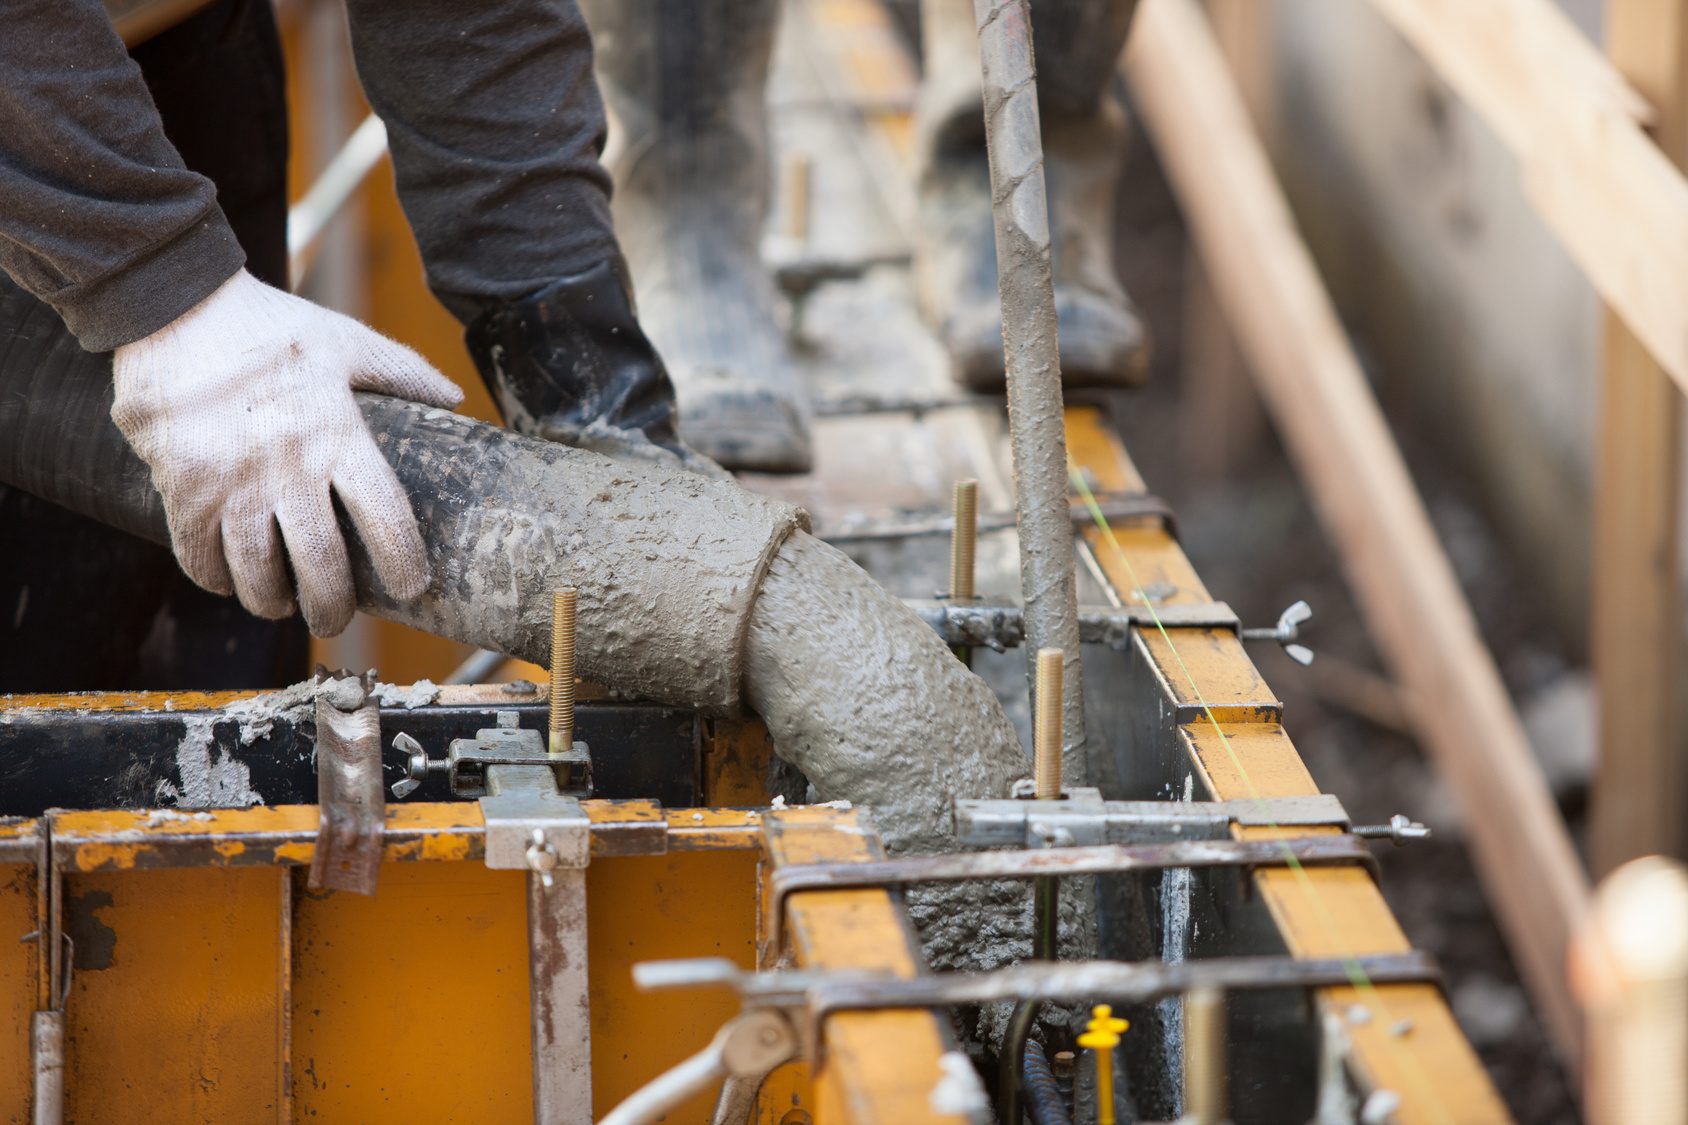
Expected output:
{"points": [[1252, 535]]}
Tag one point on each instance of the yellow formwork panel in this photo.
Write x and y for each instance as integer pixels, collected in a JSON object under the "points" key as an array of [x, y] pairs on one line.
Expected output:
{"points": [[647, 908], [412, 1005], [19, 977], [178, 1003]]}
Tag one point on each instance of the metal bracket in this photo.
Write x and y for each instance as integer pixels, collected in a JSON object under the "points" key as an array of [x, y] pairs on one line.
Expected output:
{"points": [[1084, 818], [467, 760], [349, 797], [533, 825]]}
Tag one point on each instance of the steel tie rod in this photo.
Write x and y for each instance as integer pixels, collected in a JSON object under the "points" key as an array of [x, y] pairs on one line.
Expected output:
{"points": [[1086, 860]]}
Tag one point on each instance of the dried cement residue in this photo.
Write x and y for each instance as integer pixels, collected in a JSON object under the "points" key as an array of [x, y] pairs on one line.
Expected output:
{"points": [[419, 694], [207, 783], [209, 777]]}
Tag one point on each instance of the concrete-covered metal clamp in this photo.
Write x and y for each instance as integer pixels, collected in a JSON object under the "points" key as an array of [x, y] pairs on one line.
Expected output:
{"points": [[808, 997], [349, 797]]}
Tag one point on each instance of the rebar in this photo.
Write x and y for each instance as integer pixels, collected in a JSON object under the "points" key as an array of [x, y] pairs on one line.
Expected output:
{"points": [[1046, 740], [1026, 285], [1043, 1094], [964, 540], [562, 670]]}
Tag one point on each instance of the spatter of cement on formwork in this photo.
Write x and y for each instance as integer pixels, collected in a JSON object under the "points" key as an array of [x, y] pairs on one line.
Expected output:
{"points": [[209, 777]]}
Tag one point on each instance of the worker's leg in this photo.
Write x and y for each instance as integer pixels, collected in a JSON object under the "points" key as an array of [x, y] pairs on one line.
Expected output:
{"points": [[1084, 132], [685, 82], [84, 606]]}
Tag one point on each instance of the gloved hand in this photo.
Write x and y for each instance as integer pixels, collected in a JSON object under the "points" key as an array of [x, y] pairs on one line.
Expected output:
{"points": [[243, 408]]}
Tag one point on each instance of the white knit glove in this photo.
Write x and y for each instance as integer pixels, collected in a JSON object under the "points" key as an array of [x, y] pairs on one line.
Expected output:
{"points": [[243, 407]]}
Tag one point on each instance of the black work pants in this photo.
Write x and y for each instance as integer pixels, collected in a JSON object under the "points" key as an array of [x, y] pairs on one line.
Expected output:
{"points": [[84, 607]]}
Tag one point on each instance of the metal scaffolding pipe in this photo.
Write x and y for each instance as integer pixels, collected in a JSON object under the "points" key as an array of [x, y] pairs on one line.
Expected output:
{"points": [[1037, 429]]}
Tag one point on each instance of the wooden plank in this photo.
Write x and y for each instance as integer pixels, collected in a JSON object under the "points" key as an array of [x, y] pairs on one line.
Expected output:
{"points": [[1614, 199], [1338, 440], [1635, 606], [881, 1066]]}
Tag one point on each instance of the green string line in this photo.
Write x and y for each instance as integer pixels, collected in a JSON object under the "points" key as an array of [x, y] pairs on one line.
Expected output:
{"points": [[1356, 972]]}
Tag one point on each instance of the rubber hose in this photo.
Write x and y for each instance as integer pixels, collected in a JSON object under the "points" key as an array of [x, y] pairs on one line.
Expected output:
{"points": [[1043, 1096]]}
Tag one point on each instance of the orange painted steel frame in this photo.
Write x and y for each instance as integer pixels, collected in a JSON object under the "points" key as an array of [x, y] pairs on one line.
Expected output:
{"points": [[211, 984]]}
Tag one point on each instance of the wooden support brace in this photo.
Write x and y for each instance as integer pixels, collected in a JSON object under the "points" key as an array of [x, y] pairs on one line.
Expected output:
{"points": [[1340, 443], [1635, 629]]}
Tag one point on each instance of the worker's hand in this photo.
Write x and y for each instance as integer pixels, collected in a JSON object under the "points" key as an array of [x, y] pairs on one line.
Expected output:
{"points": [[243, 407]]}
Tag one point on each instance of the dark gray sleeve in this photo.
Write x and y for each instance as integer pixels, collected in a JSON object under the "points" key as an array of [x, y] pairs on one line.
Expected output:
{"points": [[495, 126], [99, 217]]}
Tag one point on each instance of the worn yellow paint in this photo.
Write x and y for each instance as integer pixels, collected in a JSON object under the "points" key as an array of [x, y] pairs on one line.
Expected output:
{"points": [[643, 908], [178, 1014], [19, 971], [709, 829], [1209, 666], [1273, 766], [125, 701], [300, 853], [413, 1005], [735, 763], [880, 1066], [107, 856], [1092, 444]]}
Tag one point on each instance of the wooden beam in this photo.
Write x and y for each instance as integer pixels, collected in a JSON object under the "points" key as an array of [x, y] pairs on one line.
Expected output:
{"points": [[1576, 126], [1635, 630], [1340, 443]]}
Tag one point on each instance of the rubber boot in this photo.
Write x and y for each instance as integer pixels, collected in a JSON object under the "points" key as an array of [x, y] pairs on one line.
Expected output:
{"points": [[684, 82], [571, 364], [1103, 339]]}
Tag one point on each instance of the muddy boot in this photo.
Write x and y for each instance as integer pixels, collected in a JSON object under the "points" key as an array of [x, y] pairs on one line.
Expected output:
{"points": [[684, 81], [1103, 339], [570, 364]]}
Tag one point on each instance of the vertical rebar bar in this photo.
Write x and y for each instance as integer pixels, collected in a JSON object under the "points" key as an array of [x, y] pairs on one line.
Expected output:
{"points": [[964, 540], [1026, 284], [562, 669]]}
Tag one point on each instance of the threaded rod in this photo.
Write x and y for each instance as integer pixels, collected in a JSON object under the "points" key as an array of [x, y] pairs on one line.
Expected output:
{"points": [[1047, 743], [562, 669], [964, 539]]}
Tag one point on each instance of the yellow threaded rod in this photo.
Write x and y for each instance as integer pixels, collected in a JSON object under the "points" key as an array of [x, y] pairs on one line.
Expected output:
{"points": [[562, 669], [1046, 745], [964, 539]]}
